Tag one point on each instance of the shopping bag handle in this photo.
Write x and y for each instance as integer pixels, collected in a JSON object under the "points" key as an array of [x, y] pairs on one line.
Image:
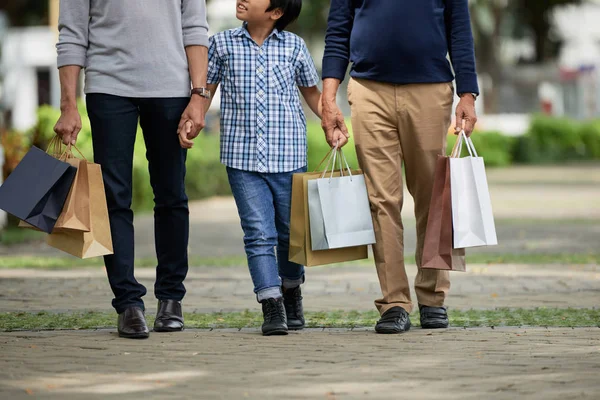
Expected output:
{"points": [[457, 149], [343, 157], [327, 156], [331, 162], [55, 145]]}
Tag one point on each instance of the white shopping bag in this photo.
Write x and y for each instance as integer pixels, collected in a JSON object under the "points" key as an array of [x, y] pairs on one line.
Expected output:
{"points": [[472, 217], [339, 211]]}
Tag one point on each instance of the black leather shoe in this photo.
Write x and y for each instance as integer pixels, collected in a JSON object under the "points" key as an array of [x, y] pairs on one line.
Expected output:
{"points": [[132, 324], [292, 300], [433, 317], [394, 320], [169, 317], [275, 319]]}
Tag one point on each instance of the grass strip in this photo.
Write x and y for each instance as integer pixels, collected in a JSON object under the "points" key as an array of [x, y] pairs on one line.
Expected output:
{"points": [[541, 317]]}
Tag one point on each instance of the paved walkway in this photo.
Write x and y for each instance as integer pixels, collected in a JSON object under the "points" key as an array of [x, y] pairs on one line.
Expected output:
{"points": [[327, 288], [450, 364]]}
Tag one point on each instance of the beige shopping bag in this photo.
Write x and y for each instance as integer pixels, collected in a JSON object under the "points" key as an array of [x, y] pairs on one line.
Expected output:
{"points": [[98, 241]]}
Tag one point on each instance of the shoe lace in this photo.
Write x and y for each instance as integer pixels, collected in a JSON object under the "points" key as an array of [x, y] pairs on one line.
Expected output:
{"points": [[293, 299], [273, 310]]}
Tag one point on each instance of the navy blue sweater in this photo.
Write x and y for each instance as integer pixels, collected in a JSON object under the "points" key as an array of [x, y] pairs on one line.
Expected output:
{"points": [[401, 41]]}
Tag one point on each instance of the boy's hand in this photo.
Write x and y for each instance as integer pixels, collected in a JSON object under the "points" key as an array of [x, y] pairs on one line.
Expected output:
{"points": [[184, 134]]}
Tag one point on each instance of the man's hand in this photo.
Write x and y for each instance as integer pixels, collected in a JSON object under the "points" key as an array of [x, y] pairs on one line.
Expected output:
{"points": [[68, 125], [465, 114], [332, 118], [192, 119]]}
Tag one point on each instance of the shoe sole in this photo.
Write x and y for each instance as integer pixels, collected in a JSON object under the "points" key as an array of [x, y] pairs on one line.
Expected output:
{"points": [[168, 329], [385, 331], [276, 332], [295, 328], [134, 335], [435, 326], [390, 331]]}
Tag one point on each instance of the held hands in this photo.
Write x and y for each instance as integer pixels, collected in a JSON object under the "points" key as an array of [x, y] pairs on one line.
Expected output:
{"points": [[191, 122]]}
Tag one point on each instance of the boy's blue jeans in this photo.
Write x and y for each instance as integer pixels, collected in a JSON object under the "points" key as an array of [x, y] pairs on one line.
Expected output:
{"points": [[263, 201]]}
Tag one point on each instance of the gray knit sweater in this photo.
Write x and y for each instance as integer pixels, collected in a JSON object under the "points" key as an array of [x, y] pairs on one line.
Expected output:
{"points": [[132, 48]]}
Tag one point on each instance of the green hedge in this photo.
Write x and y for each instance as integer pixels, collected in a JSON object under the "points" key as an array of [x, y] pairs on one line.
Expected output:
{"points": [[547, 140]]}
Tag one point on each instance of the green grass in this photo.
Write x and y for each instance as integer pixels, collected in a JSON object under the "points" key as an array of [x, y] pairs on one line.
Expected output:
{"points": [[49, 263], [549, 317], [13, 235]]}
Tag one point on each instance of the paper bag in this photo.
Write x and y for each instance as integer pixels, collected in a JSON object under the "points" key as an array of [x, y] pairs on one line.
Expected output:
{"points": [[300, 243], [438, 252], [75, 214], [98, 241]]}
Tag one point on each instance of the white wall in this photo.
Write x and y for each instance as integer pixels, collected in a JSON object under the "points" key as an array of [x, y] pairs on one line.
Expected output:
{"points": [[23, 51]]}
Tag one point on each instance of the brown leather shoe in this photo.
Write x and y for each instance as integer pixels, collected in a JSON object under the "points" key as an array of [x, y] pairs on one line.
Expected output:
{"points": [[132, 324], [169, 317]]}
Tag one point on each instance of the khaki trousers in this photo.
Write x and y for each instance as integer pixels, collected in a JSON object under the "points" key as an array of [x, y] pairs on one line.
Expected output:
{"points": [[398, 126]]}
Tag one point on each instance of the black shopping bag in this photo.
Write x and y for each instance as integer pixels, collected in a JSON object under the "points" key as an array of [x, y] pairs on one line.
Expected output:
{"points": [[37, 189]]}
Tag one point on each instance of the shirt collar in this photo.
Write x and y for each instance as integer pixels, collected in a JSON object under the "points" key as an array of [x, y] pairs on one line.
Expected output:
{"points": [[243, 31]]}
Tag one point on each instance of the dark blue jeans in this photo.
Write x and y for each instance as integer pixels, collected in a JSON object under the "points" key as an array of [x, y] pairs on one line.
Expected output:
{"points": [[263, 201], [114, 123]]}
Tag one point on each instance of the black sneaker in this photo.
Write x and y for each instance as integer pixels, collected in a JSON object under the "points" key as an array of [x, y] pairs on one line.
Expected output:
{"points": [[394, 320], [292, 300], [433, 317], [274, 315]]}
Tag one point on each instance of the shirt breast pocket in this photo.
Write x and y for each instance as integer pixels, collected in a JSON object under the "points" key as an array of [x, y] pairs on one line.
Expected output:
{"points": [[282, 78]]}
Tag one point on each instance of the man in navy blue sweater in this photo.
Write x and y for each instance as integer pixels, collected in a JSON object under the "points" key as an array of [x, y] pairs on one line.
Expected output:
{"points": [[401, 96]]}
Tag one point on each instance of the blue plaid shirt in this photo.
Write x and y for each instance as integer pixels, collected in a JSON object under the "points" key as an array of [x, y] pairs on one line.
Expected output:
{"points": [[263, 127]]}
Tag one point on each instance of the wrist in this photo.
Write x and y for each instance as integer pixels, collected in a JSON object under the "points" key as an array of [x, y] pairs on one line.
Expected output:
{"points": [[469, 96], [68, 105]]}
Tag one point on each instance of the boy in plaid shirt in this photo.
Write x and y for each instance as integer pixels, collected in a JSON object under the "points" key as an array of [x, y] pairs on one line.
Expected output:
{"points": [[263, 143]]}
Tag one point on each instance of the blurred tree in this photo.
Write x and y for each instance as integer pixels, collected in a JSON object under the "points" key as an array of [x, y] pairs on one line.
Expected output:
{"points": [[312, 23], [26, 12], [536, 15]]}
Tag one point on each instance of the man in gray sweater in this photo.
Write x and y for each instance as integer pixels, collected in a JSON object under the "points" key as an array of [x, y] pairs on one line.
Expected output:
{"points": [[146, 60]]}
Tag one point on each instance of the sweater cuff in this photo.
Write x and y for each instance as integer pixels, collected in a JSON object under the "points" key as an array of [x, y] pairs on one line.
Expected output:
{"points": [[71, 55], [467, 83], [334, 67], [195, 39]]}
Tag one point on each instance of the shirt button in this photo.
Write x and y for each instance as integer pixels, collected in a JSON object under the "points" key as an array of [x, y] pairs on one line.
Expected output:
{"points": [[259, 70], [260, 92], [260, 51]]}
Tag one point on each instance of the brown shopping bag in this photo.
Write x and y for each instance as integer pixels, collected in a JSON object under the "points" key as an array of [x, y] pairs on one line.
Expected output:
{"points": [[98, 241], [300, 244], [438, 252]]}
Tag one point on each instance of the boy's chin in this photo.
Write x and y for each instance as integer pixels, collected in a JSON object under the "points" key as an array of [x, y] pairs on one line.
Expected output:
{"points": [[241, 16]]}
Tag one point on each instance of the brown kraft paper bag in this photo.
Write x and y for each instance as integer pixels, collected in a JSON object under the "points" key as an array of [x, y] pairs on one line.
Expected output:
{"points": [[98, 241], [438, 252]]}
